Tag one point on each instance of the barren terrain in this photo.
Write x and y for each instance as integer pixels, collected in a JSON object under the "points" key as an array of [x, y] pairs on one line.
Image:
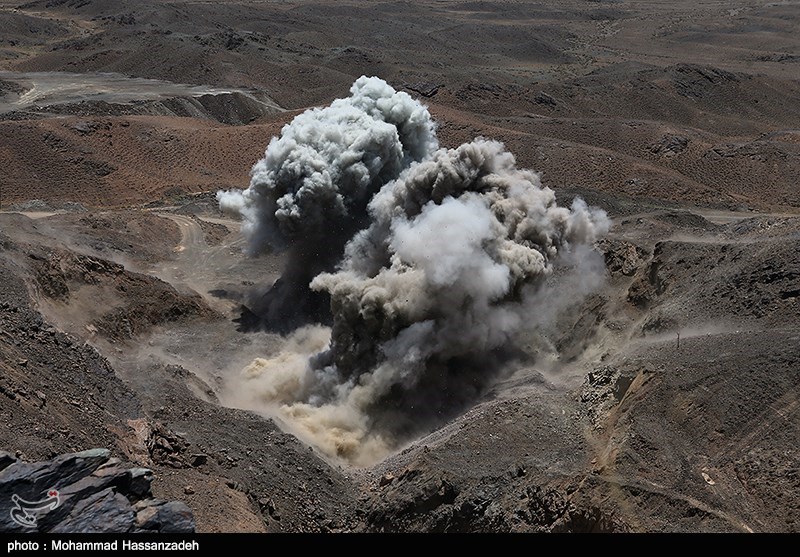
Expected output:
{"points": [[665, 401]]}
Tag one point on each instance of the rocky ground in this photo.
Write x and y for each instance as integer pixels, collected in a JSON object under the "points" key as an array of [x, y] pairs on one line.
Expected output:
{"points": [[89, 492], [673, 403]]}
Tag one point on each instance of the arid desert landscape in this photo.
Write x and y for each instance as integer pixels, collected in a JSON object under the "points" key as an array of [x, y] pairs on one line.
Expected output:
{"points": [[436, 266]]}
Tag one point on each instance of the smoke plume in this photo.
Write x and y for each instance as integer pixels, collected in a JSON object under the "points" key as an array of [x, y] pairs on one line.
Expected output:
{"points": [[427, 301], [309, 193]]}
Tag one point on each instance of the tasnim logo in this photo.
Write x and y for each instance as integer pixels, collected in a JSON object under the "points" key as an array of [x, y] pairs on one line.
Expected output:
{"points": [[25, 513]]}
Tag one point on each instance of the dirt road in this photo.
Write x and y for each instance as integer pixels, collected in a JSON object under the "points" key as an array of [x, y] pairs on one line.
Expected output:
{"points": [[44, 89]]}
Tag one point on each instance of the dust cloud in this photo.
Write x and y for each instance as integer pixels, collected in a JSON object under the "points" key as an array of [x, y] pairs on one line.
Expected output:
{"points": [[444, 265]]}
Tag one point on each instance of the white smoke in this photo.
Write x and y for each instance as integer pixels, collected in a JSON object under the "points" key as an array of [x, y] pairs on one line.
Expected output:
{"points": [[427, 298], [310, 191]]}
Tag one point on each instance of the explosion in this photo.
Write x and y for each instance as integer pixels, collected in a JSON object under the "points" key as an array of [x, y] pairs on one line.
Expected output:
{"points": [[444, 267]]}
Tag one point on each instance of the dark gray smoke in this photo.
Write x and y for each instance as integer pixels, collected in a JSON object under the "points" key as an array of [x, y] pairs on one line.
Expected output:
{"points": [[427, 300], [309, 193]]}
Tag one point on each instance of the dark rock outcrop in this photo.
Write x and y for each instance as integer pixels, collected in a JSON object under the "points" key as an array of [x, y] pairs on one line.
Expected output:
{"points": [[86, 492]]}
